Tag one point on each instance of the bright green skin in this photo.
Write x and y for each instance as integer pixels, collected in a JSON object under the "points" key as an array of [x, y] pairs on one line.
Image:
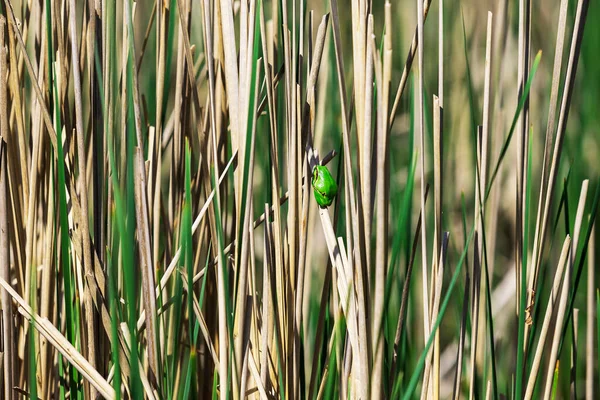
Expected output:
{"points": [[324, 186]]}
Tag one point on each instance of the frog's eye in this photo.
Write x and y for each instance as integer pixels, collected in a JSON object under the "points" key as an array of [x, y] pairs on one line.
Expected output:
{"points": [[315, 173]]}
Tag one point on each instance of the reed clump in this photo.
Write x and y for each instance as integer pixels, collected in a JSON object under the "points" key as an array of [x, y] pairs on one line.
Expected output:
{"points": [[281, 199]]}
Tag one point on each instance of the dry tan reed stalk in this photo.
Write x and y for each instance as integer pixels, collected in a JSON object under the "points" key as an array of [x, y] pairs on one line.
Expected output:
{"points": [[223, 335], [482, 141], [558, 279], [420, 149], [574, 347], [87, 245], [353, 210], [14, 70], [461, 341], [552, 361], [538, 242], [437, 225], [7, 319], [580, 18], [381, 198], [266, 329], [30, 230], [18, 169], [475, 315], [240, 324], [47, 296], [8, 357], [366, 148], [523, 61], [147, 267], [591, 311], [430, 388]]}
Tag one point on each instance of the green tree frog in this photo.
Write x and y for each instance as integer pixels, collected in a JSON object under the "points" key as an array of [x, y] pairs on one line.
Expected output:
{"points": [[324, 186]]}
